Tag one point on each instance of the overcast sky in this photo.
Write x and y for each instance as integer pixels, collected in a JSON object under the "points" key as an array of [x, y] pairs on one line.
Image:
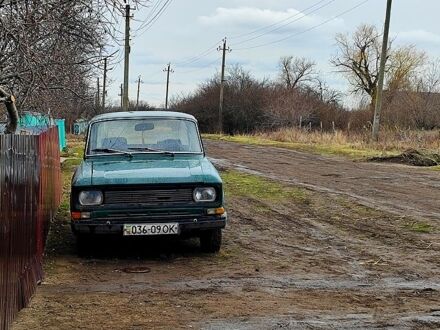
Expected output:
{"points": [[189, 28]]}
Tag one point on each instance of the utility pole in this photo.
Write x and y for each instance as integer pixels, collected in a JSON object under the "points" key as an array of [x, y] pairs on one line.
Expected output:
{"points": [[168, 70], [122, 95], [97, 94], [125, 101], [383, 60], [224, 49], [104, 83], [139, 87]]}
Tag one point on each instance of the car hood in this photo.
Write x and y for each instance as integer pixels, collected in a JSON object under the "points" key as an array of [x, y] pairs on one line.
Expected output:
{"points": [[145, 171]]}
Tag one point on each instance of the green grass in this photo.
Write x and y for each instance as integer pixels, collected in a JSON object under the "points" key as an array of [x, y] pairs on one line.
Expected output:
{"points": [[70, 164], [419, 227], [324, 149], [60, 239], [74, 149], [247, 185]]}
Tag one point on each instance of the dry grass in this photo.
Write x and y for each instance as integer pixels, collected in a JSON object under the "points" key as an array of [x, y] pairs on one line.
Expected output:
{"points": [[390, 140], [354, 145]]}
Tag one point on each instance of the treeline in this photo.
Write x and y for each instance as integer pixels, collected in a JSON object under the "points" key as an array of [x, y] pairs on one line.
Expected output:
{"points": [[251, 105], [299, 97]]}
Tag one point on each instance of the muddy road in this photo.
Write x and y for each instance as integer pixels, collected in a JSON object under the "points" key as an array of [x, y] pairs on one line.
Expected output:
{"points": [[400, 189], [312, 243]]}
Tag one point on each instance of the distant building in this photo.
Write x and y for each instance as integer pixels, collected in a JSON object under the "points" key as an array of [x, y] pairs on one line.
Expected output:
{"points": [[80, 126]]}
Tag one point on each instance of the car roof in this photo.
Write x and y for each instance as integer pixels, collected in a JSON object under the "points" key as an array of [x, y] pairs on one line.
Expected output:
{"points": [[143, 114]]}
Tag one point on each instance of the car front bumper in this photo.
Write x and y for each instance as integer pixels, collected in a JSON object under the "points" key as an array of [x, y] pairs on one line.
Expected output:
{"points": [[104, 226]]}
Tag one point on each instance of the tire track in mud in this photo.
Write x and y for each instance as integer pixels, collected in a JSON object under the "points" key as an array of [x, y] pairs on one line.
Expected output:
{"points": [[392, 321], [266, 283]]}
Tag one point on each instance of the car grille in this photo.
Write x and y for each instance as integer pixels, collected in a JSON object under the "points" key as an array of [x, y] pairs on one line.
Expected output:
{"points": [[152, 197]]}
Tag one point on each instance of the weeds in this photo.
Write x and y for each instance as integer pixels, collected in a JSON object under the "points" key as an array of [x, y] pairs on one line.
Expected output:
{"points": [[60, 238], [247, 185], [419, 227]]}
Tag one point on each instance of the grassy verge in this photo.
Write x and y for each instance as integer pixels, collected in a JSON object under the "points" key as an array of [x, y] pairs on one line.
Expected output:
{"points": [[73, 150], [252, 186], [348, 150], [60, 239]]}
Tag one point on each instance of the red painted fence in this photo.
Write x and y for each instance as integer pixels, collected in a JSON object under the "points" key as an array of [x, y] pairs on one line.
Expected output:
{"points": [[30, 192]]}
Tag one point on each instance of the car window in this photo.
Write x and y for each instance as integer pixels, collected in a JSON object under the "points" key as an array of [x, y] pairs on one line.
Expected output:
{"points": [[174, 135]]}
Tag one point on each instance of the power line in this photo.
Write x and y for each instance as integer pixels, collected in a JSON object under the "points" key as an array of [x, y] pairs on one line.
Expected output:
{"points": [[286, 24], [276, 23], [152, 12], [212, 48], [199, 69], [148, 24], [198, 57], [307, 30]]}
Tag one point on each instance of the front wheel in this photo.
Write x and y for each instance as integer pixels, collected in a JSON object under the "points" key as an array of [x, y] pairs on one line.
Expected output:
{"points": [[211, 240]]}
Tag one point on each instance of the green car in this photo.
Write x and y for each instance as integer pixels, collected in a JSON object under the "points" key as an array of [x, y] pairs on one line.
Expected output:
{"points": [[146, 174]]}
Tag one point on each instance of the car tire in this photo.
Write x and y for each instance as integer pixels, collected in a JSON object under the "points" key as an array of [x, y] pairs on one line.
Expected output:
{"points": [[211, 240], [83, 245]]}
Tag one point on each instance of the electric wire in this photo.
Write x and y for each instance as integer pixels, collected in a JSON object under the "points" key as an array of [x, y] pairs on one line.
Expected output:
{"points": [[150, 14], [205, 66], [212, 48], [286, 24], [146, 26], [304, 31], [276, 23]]}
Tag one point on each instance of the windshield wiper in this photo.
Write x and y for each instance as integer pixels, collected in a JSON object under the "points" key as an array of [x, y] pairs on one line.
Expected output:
{"points": [[110, 150], [152, 150]]}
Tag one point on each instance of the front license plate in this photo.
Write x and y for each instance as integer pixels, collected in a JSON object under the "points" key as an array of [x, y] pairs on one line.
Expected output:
{"points": [[151, 229]]}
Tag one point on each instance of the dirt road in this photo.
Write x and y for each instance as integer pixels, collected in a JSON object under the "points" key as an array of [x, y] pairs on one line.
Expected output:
{"points": [[292, 257], [399, 189]]}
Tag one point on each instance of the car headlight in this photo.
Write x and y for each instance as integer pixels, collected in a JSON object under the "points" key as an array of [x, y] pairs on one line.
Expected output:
{"points": [[206, 194], [90, 198]]}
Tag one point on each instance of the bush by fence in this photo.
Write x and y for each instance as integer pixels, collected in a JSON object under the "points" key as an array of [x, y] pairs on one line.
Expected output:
{"points": [[30, 191]]}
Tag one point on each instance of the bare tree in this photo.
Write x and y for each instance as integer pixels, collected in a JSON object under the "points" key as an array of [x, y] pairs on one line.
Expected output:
{"points": [[51, 51], [358, 58], [405, 64], [295, 71], [326, 93], [428, 79], [9, 102]]}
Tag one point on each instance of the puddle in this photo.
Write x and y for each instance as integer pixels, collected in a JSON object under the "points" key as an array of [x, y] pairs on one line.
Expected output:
{"points": [[136, 270]]}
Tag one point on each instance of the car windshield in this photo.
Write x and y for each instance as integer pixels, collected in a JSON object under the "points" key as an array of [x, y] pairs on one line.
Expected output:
{"points": [[144, 135]]}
